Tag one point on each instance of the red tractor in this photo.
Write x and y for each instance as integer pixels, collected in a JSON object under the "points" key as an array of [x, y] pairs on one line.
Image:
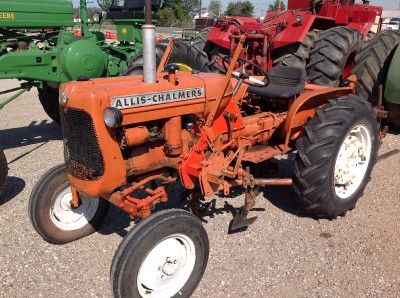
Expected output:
{"points": [[320, 35]]}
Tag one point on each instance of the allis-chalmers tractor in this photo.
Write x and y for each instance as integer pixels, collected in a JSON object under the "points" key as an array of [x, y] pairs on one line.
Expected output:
{"points": [[322, 36], [126, 138]]}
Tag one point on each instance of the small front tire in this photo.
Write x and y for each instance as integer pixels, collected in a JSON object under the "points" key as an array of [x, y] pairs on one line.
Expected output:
{"points": [[52, 215], [165, 255], [335, 156]]}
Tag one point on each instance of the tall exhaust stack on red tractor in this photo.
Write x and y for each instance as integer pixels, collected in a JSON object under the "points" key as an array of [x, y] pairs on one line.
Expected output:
{"points": [[126, 139]]}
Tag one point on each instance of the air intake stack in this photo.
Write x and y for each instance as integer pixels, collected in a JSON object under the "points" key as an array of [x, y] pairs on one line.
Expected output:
{"points": [[149, 47]]}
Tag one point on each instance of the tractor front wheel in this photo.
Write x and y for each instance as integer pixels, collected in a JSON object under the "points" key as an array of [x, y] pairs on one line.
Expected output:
{"points": [[335, 156], [3, 170], [48, 97], [164, 255], [332, 56], [53, 216]]}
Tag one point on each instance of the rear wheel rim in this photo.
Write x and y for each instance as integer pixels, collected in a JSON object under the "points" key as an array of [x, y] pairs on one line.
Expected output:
{"points": [[352, 161], [167, 267], [67, 218]]}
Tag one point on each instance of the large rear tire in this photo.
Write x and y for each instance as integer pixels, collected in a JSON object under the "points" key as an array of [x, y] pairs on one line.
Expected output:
{"points": [[52, 215], [182, 53], [48, 97], [371, 67], [165, 255], [297, 54], [336, 156], [3, 170], [333, 53]]}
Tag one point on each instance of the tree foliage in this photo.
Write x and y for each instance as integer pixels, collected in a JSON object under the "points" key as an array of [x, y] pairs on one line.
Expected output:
{"points": [[215, 8], [177, 12], [274, 6], [240, 8]]}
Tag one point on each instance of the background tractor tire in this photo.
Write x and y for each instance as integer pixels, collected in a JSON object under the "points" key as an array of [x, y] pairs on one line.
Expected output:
{"points": [[53, 218], [332, 53], [48, 97], [136, 65], [201, 47], [297, 54], [335, 156], [175, 242], [371, 67], [182, 52], [3, 170]]}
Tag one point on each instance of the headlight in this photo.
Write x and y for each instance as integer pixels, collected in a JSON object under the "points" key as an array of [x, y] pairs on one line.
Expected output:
{"points": [[112, 117], [63, 98]]}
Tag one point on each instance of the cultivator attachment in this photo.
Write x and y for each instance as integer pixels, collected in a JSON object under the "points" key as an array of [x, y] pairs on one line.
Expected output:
{"points": [[240, 220]]}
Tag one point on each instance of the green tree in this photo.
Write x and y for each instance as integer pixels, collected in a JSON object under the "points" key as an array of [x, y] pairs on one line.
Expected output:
{"points": [[177, 12], [240, 8], [274, 6], [214, 8]]}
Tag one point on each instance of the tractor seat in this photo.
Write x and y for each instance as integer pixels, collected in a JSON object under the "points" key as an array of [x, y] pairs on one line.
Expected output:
{"points": [[283, 82]]}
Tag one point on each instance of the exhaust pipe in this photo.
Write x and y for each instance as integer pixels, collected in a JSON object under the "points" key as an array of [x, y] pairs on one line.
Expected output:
{"points": [[149, 46]]}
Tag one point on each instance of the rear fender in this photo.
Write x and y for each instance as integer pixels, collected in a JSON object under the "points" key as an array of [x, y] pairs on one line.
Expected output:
{"points": [[304, 108]]}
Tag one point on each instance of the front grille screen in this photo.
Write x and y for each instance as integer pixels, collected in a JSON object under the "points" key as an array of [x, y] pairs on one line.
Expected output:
{"points": [[83, 157]]}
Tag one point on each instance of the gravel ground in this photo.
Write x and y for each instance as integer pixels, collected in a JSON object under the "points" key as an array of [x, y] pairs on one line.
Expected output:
{"points": [[284, 253]]}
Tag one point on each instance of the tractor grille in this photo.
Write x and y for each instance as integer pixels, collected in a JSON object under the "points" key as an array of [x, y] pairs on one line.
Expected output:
{"points": [[83, 157]]}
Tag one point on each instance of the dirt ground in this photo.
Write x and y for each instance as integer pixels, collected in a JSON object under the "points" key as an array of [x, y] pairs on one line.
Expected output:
{"points": [[285, 253]]}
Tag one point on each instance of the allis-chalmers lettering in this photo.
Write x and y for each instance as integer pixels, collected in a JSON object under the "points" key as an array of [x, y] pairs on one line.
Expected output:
{"points": [[147, 99]]}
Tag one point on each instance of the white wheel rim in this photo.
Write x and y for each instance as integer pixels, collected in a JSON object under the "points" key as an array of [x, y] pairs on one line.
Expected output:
{"points": [[352, 161], [67, 218], [167, 267]]}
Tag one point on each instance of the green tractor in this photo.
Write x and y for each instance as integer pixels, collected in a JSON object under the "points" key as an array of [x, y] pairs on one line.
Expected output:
{"points": [[378, 64], [37, 47]]}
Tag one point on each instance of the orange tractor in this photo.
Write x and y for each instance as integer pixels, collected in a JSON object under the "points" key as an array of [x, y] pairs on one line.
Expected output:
{"points": [[126, 138]]}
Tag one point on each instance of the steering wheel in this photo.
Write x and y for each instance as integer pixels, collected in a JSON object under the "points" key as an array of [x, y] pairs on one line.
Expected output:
{"points": [[245, 77]]}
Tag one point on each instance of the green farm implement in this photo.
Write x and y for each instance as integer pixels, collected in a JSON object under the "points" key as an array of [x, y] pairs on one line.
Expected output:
{"points": [[36, 46]]}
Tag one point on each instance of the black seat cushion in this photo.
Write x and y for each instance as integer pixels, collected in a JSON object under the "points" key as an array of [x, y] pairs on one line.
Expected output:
{"points": [[283, 82]]}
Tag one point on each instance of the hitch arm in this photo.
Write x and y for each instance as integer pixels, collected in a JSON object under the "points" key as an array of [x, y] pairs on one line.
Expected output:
{"points": [[22, 89]]}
